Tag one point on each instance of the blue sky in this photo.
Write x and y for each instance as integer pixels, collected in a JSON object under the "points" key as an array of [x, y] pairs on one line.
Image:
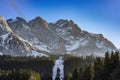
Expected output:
{"points": [[96, 16]]}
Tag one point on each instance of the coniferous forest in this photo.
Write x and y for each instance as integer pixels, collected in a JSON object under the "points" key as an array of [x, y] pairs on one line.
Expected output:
{"points": [[35, 68], [75, 68], [93, 68]]}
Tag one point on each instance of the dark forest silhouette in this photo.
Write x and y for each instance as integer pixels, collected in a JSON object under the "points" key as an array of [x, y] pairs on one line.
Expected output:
{"points": [[76, 68]]}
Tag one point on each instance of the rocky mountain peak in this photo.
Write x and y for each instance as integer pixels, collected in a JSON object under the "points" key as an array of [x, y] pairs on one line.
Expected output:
{"points": [[21, 20], [61, 21], [63, 36], [18, 20], [66, 27], [66, 23], [12, 44], [39, 21], [4, 26], [100, 35]]}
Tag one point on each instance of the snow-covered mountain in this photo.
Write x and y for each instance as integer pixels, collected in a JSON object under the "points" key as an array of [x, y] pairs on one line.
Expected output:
{"points": [[12, 44], [61, 37], [80, 42]]}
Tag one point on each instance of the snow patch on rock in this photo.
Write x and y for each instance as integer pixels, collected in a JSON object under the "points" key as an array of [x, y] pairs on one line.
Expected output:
{"points": [[35, 54], [4, 37]]}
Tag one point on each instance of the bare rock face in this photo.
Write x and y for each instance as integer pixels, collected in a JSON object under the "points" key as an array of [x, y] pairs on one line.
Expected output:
{"points": [[4, 26], [61, 37], [21, 28], [39, 27]]}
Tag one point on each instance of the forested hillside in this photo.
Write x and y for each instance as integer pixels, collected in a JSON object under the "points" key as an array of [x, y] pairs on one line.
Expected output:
{"points": [[93, 68]]}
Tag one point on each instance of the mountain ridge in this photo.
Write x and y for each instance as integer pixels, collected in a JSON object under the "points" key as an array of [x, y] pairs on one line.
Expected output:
{"points": [[61, 37], [12, 44]]}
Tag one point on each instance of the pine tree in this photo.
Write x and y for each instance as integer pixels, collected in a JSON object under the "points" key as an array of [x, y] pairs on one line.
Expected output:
{"points": [[91, 71], [75, 73], [117, 58], [107, 67], [69, 76], [98, 67]]}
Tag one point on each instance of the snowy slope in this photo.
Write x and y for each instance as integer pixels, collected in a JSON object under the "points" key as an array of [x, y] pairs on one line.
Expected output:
{"points": [[36, 32], [80, 42], [61, 37], [14, 45]]}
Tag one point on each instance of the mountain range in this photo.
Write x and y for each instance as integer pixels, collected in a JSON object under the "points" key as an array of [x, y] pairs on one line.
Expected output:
{"points": [[37, 37]]}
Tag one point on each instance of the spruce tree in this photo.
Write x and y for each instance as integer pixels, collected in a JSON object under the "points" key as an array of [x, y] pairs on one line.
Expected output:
{"points": [[91, 71], [98, 67], [69, 76], [107, 67], [75, 74]]}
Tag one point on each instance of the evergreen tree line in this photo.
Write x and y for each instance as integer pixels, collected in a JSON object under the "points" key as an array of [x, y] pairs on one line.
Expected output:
{"points": [[76, 68], [41, 65], [22, 74], [107, 68]]}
